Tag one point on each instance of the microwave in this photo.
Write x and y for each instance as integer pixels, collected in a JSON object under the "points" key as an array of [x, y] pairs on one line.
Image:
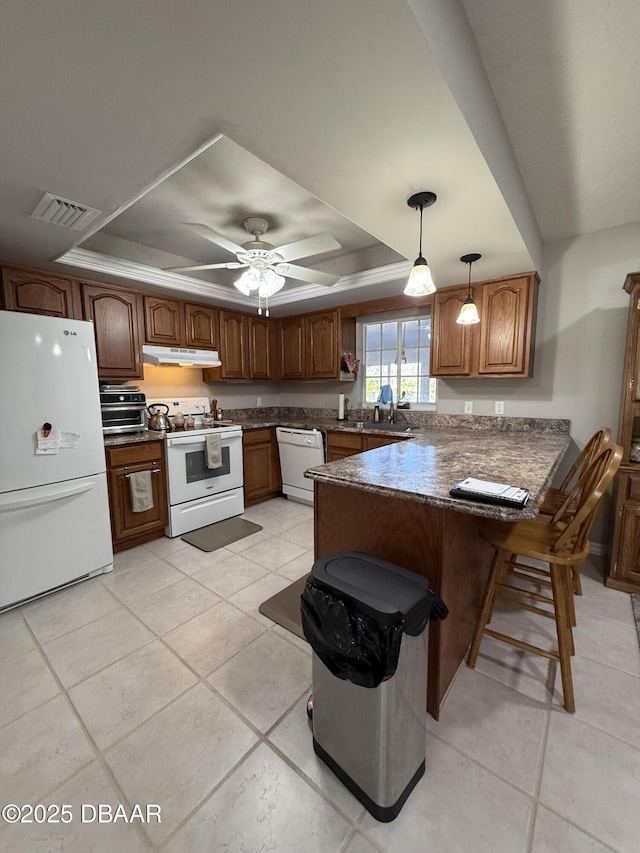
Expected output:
{"points": [[123, 409]]}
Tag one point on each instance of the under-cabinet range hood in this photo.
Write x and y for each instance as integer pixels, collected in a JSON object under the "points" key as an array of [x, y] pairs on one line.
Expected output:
{"points": [[180, 356]]}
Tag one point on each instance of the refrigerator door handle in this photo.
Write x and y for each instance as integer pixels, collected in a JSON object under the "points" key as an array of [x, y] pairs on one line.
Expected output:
{"points": [[54, 495]]}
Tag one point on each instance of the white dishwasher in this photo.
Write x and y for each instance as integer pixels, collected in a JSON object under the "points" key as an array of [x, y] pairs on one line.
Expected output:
{"points": [[299, 449]]}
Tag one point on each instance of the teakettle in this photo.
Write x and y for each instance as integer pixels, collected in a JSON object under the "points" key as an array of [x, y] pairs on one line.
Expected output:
{"points": [[159, 421]]}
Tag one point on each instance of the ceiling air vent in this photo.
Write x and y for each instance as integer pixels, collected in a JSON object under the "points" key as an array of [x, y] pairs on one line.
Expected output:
{"points": [[63, 211]]}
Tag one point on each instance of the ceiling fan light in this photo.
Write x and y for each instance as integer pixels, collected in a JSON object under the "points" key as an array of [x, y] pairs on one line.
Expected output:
{"points": [[468, 313], [420, 282], [248, 282]]}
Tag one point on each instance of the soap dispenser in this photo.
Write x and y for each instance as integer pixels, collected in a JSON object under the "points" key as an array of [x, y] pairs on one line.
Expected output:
{"points": [[376, 414]]}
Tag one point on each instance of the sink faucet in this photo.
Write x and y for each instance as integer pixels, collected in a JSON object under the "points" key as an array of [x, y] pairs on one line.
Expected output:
{"points": [[390, 417]]}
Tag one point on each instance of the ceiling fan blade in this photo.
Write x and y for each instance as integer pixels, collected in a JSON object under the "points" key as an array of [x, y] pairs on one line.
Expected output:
{"points": [[214, 237], [312, 276], [309, 246], [232, 265]]}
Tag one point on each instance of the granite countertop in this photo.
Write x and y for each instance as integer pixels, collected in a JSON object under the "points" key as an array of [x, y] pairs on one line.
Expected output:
{"points": [[133, 438], [425, 468]]}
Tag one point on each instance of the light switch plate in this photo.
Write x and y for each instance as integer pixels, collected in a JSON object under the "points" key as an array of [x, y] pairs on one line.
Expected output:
{"points": [[468, 407], [499, 407]]}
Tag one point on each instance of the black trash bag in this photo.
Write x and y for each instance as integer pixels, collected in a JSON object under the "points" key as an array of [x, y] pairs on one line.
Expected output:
{"points": [[352, 645]]}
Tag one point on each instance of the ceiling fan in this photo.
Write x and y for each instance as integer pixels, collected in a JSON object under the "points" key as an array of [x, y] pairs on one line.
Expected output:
{"points": [[259, 256]]}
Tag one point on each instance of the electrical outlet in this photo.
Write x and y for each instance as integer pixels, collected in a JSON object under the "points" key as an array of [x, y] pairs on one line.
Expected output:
{"points": [[258, 401], [499, 407], [468, 407]]}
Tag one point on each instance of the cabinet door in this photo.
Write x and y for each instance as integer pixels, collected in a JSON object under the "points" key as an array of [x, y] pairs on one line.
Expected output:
{"points": [[39, 293], [164, 321], [129, 527], [343, 444], [505, 317], [202, 326], [450, 342], [260, 348], [292, 348], [261, 465], [115, 315], [234, 345], [323, 360]]}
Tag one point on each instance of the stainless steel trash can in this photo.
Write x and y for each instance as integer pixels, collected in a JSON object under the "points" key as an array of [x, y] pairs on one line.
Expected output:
{"points": [[366, 621]]}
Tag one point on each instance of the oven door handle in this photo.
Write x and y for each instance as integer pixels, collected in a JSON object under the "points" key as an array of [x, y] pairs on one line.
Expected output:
{"points": [[178, 442]]}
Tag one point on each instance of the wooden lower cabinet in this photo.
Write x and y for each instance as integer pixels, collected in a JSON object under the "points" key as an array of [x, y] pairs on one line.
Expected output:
{"points": [[261, 461], [343, 444], [624, 570], [129, 528]]}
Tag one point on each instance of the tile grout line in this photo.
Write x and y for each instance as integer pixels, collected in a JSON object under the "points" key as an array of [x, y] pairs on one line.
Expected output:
{"points": [[98, 755]]}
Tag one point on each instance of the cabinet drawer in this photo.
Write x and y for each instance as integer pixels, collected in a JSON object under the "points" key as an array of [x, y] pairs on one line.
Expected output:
{"points": [[344, 439], [257, 436], [133, 454]]}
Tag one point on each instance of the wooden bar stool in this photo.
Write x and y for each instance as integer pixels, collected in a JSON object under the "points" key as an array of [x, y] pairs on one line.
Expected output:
{"points": [[555, 499], [563, 544]]}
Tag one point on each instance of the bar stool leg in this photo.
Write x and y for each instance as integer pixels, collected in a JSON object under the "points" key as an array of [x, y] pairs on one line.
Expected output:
{"points": [[497, 570], [565, 639], [577, 583]]}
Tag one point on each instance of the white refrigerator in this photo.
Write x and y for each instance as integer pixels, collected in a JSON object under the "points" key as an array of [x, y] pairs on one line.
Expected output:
{"points": [[54, 506]]}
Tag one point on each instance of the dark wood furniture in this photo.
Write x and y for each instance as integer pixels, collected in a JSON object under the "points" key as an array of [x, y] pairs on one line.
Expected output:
{"points": [[292, 349], [37, 292], [116, 315], [501, 345], [130, 528], [342, 444], [624, 566], [262, 478], [174, 323], [312, 345]]}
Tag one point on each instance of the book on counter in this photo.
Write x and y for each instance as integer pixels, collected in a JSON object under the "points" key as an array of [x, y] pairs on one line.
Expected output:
{"points": [[487, 492]]}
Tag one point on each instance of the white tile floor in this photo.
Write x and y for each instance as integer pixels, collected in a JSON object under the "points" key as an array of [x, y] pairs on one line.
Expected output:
{"points": [[161, 683]]}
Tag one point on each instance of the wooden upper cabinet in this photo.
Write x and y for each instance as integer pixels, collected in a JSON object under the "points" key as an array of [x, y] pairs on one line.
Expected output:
{"points": [[201, 326], [234, 345], [261, 348], [506, 327], [322, 336], [501, 344], [292, 350], [163, 321], [450, 342], [116, 316], [36, 292]]}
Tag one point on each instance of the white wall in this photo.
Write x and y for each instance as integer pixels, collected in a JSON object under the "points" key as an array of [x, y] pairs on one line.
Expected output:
{"points": [[173, 382]]}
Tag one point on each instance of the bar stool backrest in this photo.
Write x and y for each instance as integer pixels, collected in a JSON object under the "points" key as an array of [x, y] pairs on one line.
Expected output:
{"points": [[586, 494]]}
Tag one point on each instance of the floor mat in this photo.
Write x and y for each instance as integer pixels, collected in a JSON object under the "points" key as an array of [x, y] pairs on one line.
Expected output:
{"points": [[284, 607], [215, 536]]}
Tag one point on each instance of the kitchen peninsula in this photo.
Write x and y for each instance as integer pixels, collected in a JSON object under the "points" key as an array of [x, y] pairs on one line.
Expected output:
{"points": [[394, 503]]}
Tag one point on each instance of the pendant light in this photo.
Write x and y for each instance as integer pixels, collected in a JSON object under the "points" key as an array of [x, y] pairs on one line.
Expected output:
{"points": [[420, 282], [469, 313]]}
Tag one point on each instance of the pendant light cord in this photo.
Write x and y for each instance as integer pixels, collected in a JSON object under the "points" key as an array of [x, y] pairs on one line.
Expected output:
{"points": [[469, 297], [421, 209]]}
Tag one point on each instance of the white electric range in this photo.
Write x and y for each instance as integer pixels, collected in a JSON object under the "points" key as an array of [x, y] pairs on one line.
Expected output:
{"points": [[199, 495]]}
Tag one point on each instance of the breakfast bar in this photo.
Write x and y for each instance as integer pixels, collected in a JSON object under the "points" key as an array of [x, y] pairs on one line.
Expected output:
{"points": [[393, 502]]}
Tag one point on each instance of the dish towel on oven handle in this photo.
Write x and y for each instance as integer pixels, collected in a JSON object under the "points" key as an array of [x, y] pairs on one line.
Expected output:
{"points": [[213, 451], [141, 491]]}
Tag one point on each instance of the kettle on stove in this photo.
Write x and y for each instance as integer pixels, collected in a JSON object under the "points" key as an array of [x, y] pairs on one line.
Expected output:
{"points": [[159, 421]]}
